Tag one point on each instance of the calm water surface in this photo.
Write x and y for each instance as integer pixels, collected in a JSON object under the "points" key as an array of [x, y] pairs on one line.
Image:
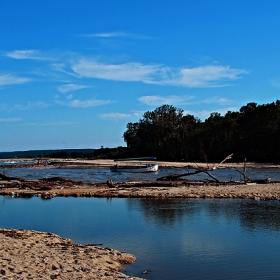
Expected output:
{"points": [[176, 238], [100, 175]]}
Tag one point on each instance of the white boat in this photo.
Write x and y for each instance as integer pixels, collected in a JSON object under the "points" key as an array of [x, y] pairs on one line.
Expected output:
{"points": [[140, 167]]}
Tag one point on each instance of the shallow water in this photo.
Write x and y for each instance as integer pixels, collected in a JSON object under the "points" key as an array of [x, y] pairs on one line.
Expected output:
{"points": [[175, 238], [100, 175]]}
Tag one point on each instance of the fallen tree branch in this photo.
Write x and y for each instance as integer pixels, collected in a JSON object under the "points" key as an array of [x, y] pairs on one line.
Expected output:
{"points": [[173, 177], [228, 157], [246, 178], [198, 169]]}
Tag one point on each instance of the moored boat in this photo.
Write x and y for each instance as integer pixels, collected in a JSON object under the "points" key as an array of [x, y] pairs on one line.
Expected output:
{"points": [[135, 168]]}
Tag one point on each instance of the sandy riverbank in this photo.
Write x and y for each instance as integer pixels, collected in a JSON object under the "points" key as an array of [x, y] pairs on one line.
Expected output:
{"points": [[77, 163], [156, 190], [52, 187], [38, 255]]}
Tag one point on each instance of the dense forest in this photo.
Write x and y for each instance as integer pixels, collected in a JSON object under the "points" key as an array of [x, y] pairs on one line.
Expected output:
{"points": [[252, 133]]}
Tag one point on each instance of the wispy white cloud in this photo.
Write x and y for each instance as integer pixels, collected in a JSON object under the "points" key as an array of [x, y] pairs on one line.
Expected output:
{"points": [[118, 34], [76, 103], [115, 116], [8, 79], [128, 72], [156, 100], [8, 120], [199, 77], [62, 68], [31, 105], [107, 34], [70, 87], [205, 76], [27, 54], [220, 100]]}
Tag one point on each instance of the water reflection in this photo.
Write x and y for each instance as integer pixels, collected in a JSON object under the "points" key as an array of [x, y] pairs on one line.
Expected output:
{"points": [[260, 215], [166, 212], [175, 238], [251, 214]]}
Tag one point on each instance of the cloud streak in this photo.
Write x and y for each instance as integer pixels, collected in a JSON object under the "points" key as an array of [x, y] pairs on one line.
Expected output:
{"points": [[31, 105], [197, 77], [118, 34], [127, 72], [115, 116], [220, 100], [108, 35], [76, 103], [156, 100], [70, 87], [205, 76], [8, 79], [27, 54]]}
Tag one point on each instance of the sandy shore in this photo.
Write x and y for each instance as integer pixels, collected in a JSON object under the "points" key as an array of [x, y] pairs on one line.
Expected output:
{"points": [[38, 255], [109, 162], [156, 190]]}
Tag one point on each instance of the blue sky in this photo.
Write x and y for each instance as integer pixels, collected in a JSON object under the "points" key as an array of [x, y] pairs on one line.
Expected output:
{"points": [[74, 73]]}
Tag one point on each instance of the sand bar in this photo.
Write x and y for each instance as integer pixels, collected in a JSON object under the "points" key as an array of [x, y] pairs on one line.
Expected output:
{"points": [[27, 254], [160, 190]]}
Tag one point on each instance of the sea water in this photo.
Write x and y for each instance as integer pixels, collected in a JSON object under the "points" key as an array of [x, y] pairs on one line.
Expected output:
{"points": [[171, 239]]}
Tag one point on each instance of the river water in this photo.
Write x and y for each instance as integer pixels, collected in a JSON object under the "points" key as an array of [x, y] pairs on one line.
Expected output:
{"points": [[175, 238], [101, 175]]}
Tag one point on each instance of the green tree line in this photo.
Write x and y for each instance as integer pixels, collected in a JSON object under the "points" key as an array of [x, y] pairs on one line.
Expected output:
{"points": [[253, 133]]}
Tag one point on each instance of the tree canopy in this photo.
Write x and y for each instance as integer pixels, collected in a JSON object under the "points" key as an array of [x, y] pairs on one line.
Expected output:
{"points": [[253, 133]]}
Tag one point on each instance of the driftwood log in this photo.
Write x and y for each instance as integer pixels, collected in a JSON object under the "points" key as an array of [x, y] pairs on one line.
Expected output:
{"points": [[246, 179], [198, 170]]}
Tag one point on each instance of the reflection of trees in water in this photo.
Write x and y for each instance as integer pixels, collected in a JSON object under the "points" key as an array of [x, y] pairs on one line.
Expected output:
{"points": [[252, 215], [264, 214], [166, 211]]}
